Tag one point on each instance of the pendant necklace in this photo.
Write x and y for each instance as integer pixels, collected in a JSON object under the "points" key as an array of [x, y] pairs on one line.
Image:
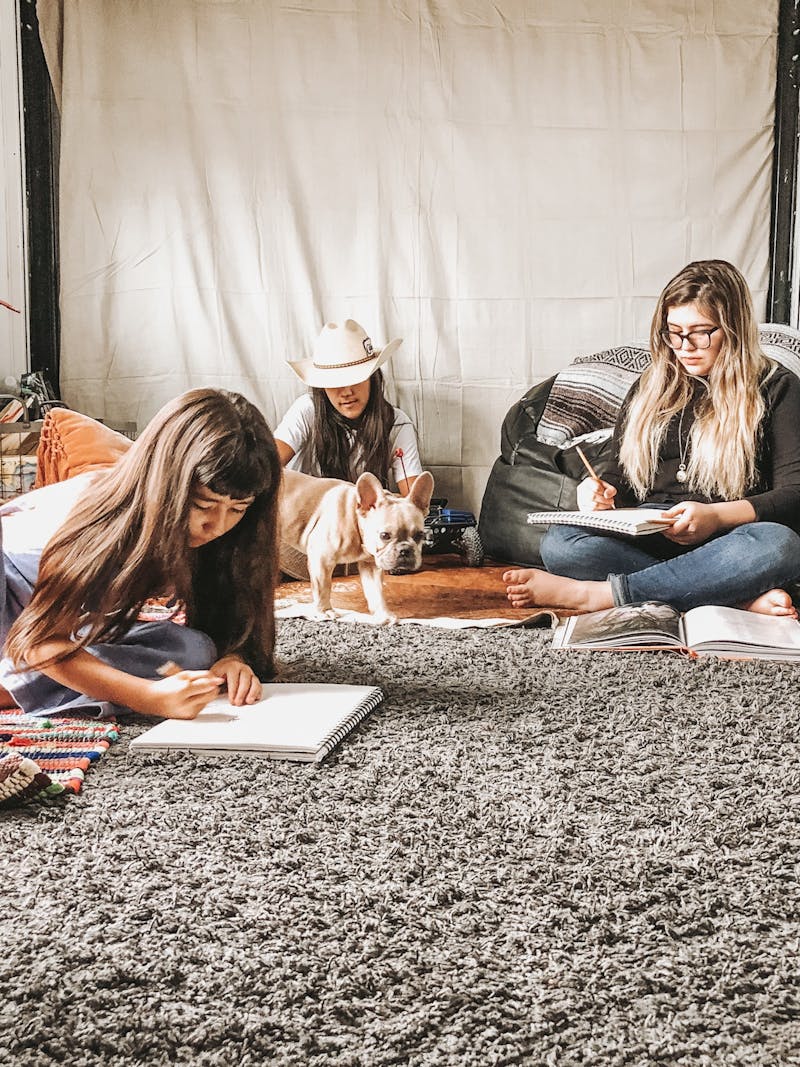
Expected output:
{"points": [[683, 446]]}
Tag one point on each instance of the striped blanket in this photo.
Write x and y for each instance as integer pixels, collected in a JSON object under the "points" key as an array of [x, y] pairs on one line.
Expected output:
{"points": [[46, 759], [587, 395]]}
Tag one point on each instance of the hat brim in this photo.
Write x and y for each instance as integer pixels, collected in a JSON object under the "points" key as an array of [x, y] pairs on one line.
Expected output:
{"points": [[339, 377]]}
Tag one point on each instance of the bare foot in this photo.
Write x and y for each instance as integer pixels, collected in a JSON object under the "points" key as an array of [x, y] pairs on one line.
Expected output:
{"points": [[535, 588], [773, 602]]}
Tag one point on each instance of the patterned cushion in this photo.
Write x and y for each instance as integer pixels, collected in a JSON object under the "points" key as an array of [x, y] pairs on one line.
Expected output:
{"points": [[781, 343], [587, 395]]}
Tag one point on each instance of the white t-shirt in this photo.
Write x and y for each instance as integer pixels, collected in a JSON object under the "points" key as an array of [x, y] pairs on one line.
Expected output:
{"points": [[296, 426]]}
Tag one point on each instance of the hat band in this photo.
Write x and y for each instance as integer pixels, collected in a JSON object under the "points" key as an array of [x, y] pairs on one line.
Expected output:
{"points": [[341, 366]]}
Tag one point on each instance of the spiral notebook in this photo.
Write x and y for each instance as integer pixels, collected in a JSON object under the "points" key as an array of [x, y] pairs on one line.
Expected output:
{"points": [[292, 721], [631, 521]]}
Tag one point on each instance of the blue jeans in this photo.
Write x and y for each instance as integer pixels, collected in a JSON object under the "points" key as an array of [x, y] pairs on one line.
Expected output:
{"points": [[729, 569]]}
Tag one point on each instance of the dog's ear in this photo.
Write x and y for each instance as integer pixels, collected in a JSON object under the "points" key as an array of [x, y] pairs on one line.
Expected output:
{"points": [[422, 491], [370, 492]]}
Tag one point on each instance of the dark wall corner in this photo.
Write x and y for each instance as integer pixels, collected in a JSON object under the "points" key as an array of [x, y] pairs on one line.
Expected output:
{"points": [[784, 170], [41, 125]]}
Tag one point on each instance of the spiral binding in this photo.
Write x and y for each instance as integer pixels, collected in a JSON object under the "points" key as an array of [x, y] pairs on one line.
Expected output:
{"points": [[331, 740]]}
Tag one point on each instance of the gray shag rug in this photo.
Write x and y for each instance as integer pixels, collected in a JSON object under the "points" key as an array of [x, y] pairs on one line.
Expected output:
{"points": [[522, 857]]}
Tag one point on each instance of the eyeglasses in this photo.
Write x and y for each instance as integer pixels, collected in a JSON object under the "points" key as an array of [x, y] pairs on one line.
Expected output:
{"points": [[696, 338]]}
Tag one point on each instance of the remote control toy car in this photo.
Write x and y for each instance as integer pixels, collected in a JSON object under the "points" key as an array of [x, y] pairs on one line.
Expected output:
{"points": [[450, 530]]}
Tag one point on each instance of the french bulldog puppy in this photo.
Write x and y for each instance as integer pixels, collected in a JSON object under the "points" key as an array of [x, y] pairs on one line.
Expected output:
{"points": [[334, 522]]}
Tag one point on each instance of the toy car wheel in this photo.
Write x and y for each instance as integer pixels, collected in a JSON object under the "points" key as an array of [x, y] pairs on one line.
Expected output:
{"points": [[471, 547]]}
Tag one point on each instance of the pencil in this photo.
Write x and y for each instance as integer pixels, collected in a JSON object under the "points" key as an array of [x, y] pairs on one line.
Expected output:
{"points": [[592, 472], [587, 464]]}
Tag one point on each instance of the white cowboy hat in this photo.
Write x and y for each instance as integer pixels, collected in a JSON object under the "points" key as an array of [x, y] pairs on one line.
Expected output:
{"points": [[343, 355]]}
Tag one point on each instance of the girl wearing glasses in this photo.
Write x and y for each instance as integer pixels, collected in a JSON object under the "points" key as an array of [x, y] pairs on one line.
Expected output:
{"points": [[710, 433]]}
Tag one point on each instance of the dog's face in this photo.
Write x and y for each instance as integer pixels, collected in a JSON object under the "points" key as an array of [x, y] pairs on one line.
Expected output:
{"points": [[392, 527]]}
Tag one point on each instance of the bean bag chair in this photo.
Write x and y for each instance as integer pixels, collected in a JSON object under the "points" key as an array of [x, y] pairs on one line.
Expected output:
{"points": [[538, 468]]}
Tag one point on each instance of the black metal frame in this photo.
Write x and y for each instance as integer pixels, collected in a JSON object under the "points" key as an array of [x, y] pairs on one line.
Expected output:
{"points": [[41, 123], [784, 167]]}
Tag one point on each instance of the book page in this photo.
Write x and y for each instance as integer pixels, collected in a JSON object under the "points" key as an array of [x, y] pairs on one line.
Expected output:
{"points": [[631, 625], [733, 628], [288, 718]]}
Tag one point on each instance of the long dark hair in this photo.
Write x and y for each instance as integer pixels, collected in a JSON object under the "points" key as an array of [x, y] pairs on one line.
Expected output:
{"points": [[129, 538], [343, 448]]}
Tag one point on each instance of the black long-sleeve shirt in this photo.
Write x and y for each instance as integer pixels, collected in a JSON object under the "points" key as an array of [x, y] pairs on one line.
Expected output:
{"points": [[776, 494]]}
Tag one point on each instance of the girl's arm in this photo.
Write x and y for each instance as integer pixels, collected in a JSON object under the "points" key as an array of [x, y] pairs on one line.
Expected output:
{"points": [[285, 452], [779, 459], [779, 463], [294, 431], [180, 696], [406, 462]]}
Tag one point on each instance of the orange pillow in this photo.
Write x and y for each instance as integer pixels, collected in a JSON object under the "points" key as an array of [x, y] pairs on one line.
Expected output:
{"points": [[72, 443]]}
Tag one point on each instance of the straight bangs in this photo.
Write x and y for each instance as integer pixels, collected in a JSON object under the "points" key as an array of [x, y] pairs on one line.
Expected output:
{"points": [[238, 473]]}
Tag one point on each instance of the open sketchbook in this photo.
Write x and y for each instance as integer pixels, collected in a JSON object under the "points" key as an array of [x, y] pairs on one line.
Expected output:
{"points": [[631, 521], [291, 721], [715, 631]]}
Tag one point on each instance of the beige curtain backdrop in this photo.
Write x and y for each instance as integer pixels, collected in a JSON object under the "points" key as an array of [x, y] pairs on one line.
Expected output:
{"points": [[504, 185]]}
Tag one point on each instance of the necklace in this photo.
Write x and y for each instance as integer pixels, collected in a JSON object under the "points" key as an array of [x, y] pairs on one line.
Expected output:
{"points": [[681, 474]]}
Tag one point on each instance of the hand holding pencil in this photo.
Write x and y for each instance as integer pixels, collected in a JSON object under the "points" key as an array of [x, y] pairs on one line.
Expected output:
{"points": [[594, 495], [179, 693]]}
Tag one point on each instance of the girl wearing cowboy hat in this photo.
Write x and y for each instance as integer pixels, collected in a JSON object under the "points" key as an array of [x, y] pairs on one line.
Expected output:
{"points": [[345, 425]]}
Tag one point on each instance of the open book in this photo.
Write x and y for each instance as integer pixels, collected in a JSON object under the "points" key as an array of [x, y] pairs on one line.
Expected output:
{"points": [[291, 721], [631, 521], [716, 631]]}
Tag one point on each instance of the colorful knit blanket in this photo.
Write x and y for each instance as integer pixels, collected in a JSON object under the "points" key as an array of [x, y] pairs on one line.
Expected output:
{"points": [[45, 759]]}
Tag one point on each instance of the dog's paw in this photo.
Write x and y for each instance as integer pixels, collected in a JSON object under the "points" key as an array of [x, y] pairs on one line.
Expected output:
{"points": [[384, 618], [323, 615]]}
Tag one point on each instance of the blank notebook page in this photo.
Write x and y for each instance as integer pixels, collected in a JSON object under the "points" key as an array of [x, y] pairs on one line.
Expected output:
{"points": [[288, 718]]}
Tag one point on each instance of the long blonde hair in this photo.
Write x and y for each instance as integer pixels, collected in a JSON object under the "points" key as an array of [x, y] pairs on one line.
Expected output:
{"points": [[725, 435]]}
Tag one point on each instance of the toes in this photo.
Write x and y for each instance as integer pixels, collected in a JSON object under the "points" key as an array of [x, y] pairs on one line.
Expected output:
{"points": [[513, 577]]}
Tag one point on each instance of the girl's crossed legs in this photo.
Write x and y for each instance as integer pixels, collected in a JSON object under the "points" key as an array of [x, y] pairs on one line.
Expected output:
{"points": [[745, 567]]}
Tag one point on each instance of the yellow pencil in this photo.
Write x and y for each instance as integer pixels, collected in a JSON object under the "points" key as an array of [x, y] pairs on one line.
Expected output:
{"points": [[592, 472], [587, 464]]}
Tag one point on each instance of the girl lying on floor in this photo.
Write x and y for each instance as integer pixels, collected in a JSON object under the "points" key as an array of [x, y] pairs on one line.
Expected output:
{"points": [[189, 509], [711, 434]]}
